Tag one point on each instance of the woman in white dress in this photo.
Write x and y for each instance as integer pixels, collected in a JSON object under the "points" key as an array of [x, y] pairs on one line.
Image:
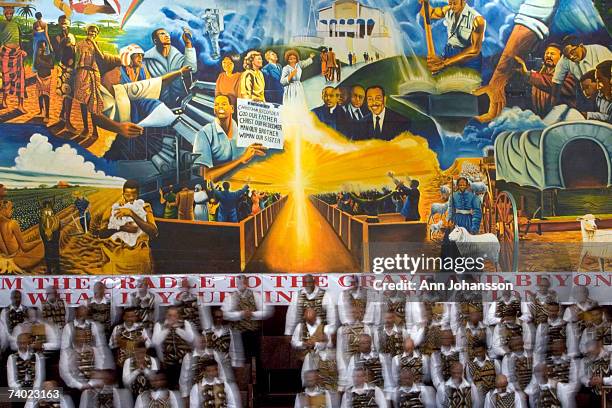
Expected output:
{"points": [[201, 208], [291, 77]]}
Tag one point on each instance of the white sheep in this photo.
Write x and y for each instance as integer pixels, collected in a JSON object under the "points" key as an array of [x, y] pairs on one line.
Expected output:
{"points": [[476, 246], [596, 243], [478, 187], [438, 208]]}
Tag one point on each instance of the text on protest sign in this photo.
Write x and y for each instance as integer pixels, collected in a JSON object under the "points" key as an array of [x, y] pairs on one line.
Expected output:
{"points": [[259, 122]]}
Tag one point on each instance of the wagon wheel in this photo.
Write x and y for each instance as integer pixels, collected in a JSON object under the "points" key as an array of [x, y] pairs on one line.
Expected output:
{"points": [[436, 235], [506, 229], [487, 213]]}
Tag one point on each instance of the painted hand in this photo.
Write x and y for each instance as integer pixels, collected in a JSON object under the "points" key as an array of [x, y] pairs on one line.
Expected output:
{"points": [[497, 99], [522, 69], [253, 150], [129, 129], [123, 212], [435, 64]]}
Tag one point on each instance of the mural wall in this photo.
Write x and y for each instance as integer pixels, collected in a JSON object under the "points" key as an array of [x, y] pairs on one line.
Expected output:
{"points": [[154, 136]]}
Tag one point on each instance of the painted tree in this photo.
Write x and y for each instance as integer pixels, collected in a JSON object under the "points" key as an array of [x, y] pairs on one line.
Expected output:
{"points": [[107, 22], [78, 24], [27, 12]]}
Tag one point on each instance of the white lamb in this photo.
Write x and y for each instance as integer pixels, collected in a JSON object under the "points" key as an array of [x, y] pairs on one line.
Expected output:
{"points": [[117, 222], [476, 246], [595, 243]]}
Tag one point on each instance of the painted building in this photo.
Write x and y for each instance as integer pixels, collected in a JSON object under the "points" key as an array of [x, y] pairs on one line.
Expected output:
{"points": [[348, 25]]}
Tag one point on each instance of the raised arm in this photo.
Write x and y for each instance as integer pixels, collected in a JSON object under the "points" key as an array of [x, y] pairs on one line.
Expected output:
{"points": [[435, 13], [168, 78]]}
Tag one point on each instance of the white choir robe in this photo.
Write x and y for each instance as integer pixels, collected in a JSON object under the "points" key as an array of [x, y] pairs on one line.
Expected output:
{"points": [[296, 339], [135, 300], [121, 397], [481, 363], [204, 317], [129, 376], [231, 313], [574, 371], [379, 396], [4, 313], [97, 332], [64, 400], [499, 349], [589, 334], [186, 378], [386, 370], [113, 343], [114, 313], [68, 366], [543, 300], [417, 334], [231, 392], [378, 334], [414, 316], [508, 366], [428, 394], [492, 320], [541, 337], [300, 403], [344, 303], [236, 350], [420, 314], [571, 312], [341, 342], [396, 367], [147, 397], [519, 400], [327, 354], [584, 373], [292, 318], [4, 337], [564, 392], [160, 332], [441, 394], [455, 315], [52, 340], [375, 313], [461, 336], [11, 370], [437, 377]]}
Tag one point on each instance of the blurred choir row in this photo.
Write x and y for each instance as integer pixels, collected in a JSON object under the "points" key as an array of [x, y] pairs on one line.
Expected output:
{"points": [[361, 349]]}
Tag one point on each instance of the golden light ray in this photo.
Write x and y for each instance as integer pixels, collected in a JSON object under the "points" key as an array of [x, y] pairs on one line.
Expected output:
{"points": [[317, 159]]}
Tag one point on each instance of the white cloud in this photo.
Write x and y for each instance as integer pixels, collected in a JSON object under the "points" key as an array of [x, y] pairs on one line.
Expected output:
{"points": [[40, 157]]}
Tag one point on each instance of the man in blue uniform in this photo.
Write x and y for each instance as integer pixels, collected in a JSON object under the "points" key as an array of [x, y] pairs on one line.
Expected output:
{"points": [[465, 208]]}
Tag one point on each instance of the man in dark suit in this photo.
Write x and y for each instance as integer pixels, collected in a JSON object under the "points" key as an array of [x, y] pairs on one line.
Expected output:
{"points": [[381, 122], [330, 112], [355, 110]]}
